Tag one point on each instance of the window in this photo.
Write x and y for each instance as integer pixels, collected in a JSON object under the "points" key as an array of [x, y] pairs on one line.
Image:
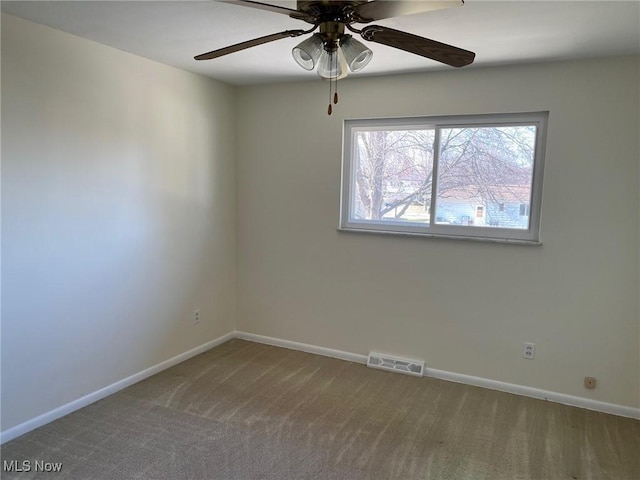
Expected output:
{"points": [[473, 176]]}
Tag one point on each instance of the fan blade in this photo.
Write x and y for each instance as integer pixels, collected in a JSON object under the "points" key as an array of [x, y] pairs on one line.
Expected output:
{"points": [[379, 9], [441, 52], [272, 8], [248, 44]]}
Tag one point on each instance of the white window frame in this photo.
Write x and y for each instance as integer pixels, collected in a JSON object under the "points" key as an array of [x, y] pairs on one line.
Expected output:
{"points": [[507, 235]]}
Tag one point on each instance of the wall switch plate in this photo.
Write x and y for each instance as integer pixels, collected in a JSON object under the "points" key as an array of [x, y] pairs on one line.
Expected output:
{"points": [[529, 351], [196, 316]]}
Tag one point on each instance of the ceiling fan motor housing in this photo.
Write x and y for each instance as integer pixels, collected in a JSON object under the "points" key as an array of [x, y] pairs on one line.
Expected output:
{"points": [[331, 33], [327, 10]]}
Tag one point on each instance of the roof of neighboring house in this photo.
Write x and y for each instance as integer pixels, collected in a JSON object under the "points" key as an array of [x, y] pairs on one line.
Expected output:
{"points": [[497, 193]]}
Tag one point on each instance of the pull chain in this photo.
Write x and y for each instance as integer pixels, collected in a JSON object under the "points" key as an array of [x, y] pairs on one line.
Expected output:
{"points": [[330, 108], [335, 94], [333, 89]]}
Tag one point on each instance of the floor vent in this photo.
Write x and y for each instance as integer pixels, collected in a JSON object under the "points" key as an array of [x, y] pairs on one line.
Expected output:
{"points": [[395, 364]]}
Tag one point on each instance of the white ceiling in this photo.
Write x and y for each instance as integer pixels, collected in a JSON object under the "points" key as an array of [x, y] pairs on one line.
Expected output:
{"points": [[503, 32]]}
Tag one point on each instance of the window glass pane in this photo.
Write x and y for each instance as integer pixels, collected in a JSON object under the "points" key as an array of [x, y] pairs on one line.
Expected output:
{"points": [[485, 176], [393, 175], [463, 176]]}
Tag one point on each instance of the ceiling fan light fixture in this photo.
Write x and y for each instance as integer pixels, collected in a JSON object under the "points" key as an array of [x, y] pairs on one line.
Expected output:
{"points": [[308, 52], [334, 53], [355, 53]]}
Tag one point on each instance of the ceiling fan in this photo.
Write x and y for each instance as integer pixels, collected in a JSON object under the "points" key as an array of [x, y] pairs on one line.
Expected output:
{"points": [[333, 51]]}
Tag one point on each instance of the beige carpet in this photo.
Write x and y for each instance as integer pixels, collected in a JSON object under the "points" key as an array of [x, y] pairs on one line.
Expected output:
{"points": [[250, 411]]}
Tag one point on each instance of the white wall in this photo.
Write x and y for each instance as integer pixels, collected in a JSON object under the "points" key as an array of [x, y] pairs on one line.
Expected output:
{"points": [[118, 216], [464, 307]]}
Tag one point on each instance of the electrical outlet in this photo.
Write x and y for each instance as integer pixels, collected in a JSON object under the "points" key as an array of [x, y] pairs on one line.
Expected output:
{"points": [[196, 316], [529, 351], [590, 383]]}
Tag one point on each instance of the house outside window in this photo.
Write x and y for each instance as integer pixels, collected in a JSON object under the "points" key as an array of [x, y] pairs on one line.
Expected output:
{"points": [[473, 176]]}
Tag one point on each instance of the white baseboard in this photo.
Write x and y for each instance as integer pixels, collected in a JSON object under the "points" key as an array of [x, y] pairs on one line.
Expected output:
{"points": [[302, 347], [556, 397], [90, 398]]}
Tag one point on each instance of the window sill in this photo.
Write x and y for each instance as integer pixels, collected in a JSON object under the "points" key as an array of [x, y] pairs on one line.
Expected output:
{"points": [[511, 241]]}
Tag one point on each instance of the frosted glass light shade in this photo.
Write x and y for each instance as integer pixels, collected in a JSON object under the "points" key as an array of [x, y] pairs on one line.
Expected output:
{"points": [[307, 52], [329, 65], [355, 53]]}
